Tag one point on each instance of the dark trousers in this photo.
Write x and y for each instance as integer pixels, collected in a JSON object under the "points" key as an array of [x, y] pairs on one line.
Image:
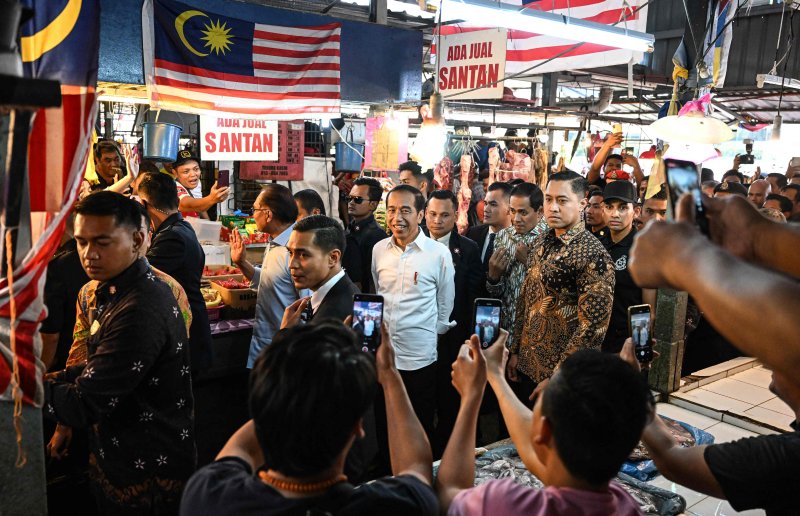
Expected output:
{"points": [[421, 388], [448, 400]]}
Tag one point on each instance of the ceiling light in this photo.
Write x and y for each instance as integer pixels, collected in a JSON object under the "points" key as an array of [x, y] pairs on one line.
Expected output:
{"points": [[498, 14]]}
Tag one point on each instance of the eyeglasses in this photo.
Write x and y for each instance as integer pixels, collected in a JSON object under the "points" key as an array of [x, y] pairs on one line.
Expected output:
{"points": [[356, 200], [254, 210]]}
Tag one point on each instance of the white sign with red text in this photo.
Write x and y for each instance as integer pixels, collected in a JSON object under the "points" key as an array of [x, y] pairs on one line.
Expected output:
{"points": [[225, 138], [471, 62]]}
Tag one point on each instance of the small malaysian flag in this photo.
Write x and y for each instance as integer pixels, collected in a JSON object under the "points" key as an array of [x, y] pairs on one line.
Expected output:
{"points": [[197, 61]]}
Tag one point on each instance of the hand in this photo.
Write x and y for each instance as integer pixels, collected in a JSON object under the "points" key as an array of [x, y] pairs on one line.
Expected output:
{"points": [[496, 355], [511, 368], [131, 154], [628, 354], [734, 224], [469, 370], [237, 247], [498, 263], [630, 159], [613, 140], [736, 162], [58, 447], [539, 389], [384, 358], [219, 194], [293, 312], [521, 253]]}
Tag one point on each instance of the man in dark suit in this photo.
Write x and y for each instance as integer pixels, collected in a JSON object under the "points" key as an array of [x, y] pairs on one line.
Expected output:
{"points": [[363, 230], [175, 251], [440, 214], [496, 216]]}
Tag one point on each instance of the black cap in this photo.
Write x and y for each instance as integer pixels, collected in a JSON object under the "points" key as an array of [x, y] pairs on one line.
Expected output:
{"points": [[620, 190], [183, 157], [731, 187]]}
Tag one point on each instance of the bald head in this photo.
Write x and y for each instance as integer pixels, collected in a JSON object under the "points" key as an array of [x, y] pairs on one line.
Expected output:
{"points": [[758, 192]]}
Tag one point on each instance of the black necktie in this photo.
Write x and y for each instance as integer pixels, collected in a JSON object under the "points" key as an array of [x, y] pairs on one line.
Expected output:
{"points": [[489, 251]]}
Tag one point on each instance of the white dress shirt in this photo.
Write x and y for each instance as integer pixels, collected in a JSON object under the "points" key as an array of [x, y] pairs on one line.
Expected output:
{"points": [[418, 289], [445, 239], [319, 295]]}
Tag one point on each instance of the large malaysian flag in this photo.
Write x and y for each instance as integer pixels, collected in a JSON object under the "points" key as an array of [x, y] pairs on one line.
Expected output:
{"points": [[197, 61]]}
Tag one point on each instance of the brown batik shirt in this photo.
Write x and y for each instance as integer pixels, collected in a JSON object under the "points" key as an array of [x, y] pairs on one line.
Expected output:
{"points": [[565, 302]]}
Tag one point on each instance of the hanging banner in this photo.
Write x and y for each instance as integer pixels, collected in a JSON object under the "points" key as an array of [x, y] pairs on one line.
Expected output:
{"points": [[227, 138], [472, 63], [289, 163], [386, 143]]}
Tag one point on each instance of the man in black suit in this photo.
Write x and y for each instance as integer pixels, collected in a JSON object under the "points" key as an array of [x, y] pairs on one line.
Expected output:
{"points": [[175, 251], [496, 216], [361, 205], [440, 214]]}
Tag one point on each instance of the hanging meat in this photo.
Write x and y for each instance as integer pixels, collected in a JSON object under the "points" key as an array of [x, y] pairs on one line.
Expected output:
{"points": [[516, 166], [494, 164], [443, 174], [464, 192]]}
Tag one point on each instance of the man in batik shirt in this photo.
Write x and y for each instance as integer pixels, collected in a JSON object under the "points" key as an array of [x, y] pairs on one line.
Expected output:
{"points": [[566, 299]]}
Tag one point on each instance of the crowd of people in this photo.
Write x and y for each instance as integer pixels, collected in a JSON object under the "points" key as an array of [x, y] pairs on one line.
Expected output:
{"points": [[337, 430]]}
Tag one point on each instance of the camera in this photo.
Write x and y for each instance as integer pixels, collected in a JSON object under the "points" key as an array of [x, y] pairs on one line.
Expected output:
{"points": [[748, 158]]}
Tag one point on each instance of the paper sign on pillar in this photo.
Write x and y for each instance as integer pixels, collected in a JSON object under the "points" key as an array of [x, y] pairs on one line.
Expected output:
{"points": [[226, 138], [470, 63]]}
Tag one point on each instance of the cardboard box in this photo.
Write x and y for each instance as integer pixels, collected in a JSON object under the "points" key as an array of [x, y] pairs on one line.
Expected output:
{"points": [[215, 267], [241, 299]]}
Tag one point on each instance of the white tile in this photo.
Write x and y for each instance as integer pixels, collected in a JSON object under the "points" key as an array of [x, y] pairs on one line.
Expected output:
{"points": [[711, 506], [749, 423], [723, 367], [771, 417], [778, 405], [692, 406], [686, 416], [756, 376], [741, 391], [692, 497], [713, 400], [725, 433]]}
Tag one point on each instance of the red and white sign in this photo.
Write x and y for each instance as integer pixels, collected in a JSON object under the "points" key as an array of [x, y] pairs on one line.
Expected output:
{"points": [[289, 164], [472, 63], [225, 138]]}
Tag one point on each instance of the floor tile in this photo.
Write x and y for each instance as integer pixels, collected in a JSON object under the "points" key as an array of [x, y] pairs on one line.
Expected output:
{"points": [[741, 391], [725, 433], [778, 405], [756, 376], [713, 400], [711, 506], [692, 497], [686, 416], [725, 366], [773, 418]]}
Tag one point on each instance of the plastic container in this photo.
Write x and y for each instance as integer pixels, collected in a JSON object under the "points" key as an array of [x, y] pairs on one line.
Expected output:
{"points": [[160, 141], [207, 230], [348, 155]]}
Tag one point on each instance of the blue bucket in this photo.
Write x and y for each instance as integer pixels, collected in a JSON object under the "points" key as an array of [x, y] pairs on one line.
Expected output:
{"points": [[347, 159], [160, 141]]}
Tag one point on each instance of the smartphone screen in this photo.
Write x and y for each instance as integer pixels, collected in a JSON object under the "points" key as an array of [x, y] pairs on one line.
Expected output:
{"points": [[367, 319], [486, 320], [683, 177], [224, 179], [639, 324]]}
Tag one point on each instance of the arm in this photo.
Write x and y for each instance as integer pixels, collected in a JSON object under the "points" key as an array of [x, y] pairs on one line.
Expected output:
{"points": [[637, 169], [457, 470], [217, 195], [613, 140], [409, 449], [78, 352], [445, 293], [121, 185], [167, 253], [243, 444], [49, 346], [239, 257]]}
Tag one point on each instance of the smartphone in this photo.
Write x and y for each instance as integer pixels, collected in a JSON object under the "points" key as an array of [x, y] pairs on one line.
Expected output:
{"points": [[367, 319], [224, 179], [486, 320], [684, 177], [629, 151], [639, 329]]}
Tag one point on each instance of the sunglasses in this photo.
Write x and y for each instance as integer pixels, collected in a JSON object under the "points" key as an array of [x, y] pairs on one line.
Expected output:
{"points": [[357, 200]]}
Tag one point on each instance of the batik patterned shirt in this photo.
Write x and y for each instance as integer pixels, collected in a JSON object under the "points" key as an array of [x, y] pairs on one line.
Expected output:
{"points": [[565, 302], [510, 284]]}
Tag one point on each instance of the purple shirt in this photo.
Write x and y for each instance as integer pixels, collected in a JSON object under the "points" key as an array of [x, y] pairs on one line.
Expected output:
{"points": [[501, 497]]}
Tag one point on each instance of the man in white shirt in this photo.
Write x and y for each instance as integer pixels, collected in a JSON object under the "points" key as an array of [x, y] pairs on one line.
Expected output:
{"points": [[415, 276]]}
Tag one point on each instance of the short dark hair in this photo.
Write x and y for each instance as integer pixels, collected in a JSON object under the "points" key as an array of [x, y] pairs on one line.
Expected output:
{"points": [[159, 190], [428, 175], [105, 203], [104, 147], [319, 375], [328, 233], [375, 188], [614, 156], [796, 189], [733, 173], [598, 406], [661, 195], [279, 200], [516, 181], [419, 199], [577, 182], [444, 195], [706, 174], [593, 190], [782, 180], [411, 166], [785, 203], [532, 192], [502, 187], [309, 199], [148, 166]]}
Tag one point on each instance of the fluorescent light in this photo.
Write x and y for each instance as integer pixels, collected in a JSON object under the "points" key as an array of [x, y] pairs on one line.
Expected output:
{"points": [[398, 7], [498, 14]]}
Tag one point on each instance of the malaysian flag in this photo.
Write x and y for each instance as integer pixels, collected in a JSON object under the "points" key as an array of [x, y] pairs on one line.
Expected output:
{"points": [[528, 49], [60, 42], [197, 61]]}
